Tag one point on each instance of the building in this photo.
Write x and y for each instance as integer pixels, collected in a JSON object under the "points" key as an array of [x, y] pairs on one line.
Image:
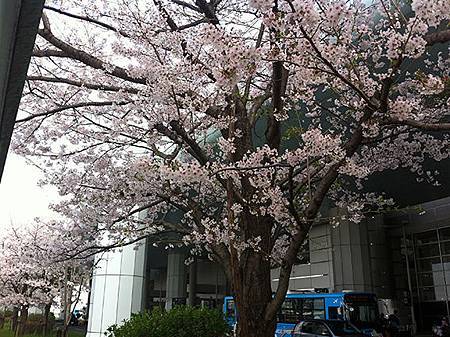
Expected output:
{"points": [[19, 21], [402, 256]]}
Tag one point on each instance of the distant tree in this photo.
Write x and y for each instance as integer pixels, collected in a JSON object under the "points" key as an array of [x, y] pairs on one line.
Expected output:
{"points": [[35, 270], [241, 116]]}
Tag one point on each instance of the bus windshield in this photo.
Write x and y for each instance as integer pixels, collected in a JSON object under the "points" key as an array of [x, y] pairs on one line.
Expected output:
{"points": [[362, 310]]}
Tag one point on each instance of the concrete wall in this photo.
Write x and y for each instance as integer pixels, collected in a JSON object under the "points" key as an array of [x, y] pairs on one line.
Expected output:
{"points": [[346, 256]]}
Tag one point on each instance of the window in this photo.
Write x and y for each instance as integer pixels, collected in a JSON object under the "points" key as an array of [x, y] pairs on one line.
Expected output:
{"points": [[444, 234], [428, 250], [445, 247], [432, 264], [320, 329], [290, 311], [308, 308], [431, 279], [426, 237], [432, 251], [230, 309], [294, 309], [307, 327], [432, 293], [319, 308]]}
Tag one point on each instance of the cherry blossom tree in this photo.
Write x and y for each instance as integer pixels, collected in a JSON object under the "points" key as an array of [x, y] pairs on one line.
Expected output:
{"points": [[242, 116], [34, 269]]}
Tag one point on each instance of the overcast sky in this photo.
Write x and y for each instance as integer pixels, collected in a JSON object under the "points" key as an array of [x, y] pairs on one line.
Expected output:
{"points": [[21, 199]]}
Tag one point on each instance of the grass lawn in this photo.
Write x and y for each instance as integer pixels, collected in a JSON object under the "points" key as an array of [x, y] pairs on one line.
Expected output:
{"points": [[8, 333]]}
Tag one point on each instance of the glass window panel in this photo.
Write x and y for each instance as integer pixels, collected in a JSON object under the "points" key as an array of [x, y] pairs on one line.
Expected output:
{"points": [[290, 311], [320, 329], [445, 248], [447, 277], [432, 293], [308, 308], [428, 250], [431, 279], [432, 264], [446, 262], [426, 237], [319, 308], [444, 234]]}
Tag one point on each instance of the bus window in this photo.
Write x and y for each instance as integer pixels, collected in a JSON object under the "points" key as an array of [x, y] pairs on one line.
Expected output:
{"points": [[230, 313], [319, 308], [313, 308], [362, 309], [308, 308], [290, 311]]}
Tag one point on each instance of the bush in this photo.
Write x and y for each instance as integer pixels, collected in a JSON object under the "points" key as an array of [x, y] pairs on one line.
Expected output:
{"points": [[182, 321]]}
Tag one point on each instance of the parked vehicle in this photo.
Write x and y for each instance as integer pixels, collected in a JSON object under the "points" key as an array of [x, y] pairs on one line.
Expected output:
{"points": [[361, 309], [326, 328]]}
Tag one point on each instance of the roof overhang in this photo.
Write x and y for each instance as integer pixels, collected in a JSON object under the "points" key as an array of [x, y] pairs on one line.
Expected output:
{"points": [[19, 21]]}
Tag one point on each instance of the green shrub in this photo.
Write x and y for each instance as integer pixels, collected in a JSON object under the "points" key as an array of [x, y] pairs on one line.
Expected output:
{"points": [[182, 321]]}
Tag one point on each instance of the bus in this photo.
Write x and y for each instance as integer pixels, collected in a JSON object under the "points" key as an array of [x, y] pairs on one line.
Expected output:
{"points": [[361, 309]]}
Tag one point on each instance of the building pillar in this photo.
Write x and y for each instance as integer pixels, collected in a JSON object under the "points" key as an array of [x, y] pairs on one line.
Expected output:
{"points": [[118, 288], [192, 283], [176, 279]]}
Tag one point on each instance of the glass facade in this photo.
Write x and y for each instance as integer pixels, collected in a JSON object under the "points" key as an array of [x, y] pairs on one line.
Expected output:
{"points": [[432, 273]]}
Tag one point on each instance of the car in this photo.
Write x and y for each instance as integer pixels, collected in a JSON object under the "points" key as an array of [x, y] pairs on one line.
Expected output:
{"points": [[325, 328]]}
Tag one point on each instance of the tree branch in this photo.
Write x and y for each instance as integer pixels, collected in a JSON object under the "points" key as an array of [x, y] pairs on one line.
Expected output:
{"points": [[87, 58], [48, 53], [438, 37], [83, 84], [88, 19], [70, 106], [418, 124]]}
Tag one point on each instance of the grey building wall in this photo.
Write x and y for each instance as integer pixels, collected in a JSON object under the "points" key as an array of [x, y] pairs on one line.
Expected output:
{"points": [[346, 256]]}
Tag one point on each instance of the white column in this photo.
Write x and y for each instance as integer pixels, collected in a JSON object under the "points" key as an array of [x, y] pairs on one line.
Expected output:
{"points": [[176, 278], [117, 288]]}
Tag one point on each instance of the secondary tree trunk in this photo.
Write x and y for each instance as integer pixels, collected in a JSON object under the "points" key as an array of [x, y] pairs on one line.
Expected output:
{"points": [[14, 317], [21, 324], [46, 319]]}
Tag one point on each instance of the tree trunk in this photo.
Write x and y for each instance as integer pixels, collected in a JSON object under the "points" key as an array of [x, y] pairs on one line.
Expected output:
{"points": [[21, 324], [14, 318], [67, 311], [252, 289], [46, 319]]}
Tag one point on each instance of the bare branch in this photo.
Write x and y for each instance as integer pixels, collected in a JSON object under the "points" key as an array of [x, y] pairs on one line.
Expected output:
{"points": [[418, 124], [88, 19], [70, 106], [438, 37], [187, 5], [83, 84], [87, 58], [48, 53]]}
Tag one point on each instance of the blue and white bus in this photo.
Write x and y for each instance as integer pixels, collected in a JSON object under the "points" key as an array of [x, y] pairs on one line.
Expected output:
{"points": [[361, 309]]}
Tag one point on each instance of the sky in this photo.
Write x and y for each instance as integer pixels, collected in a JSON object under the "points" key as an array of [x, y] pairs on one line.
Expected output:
{"points": [[21, 199]]}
